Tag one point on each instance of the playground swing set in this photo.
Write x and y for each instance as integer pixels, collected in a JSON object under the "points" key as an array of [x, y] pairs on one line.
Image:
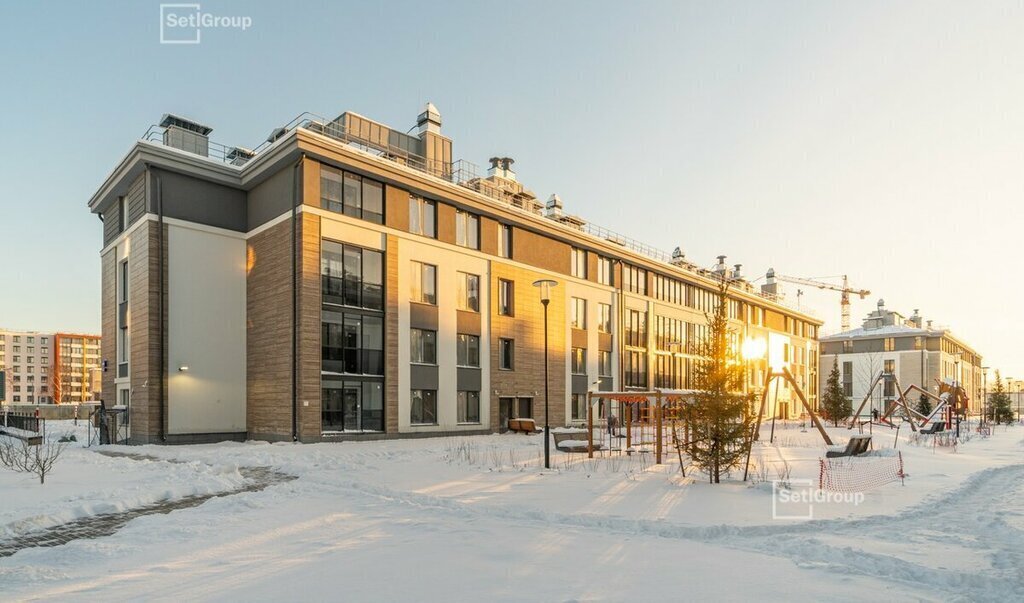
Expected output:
{"points": [[951, 402]]}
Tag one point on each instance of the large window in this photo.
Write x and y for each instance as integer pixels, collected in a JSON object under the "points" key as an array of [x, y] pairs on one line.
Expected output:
{"points": [[352, 406], [351, 276], [506, 354], [636, 369], [422, 346], [579, 313], [352, 344], [468, 407], [352, 195], [423, 410], [579, 263], [424, 283], [505, 241], [604, 318], [506, 298], [467, 229], [634, 279], [636, 328], [422, 217], [469, 292], [468, 350], [605, 271], [604, 363], [579, 407], [123, 340], [578, 361]]}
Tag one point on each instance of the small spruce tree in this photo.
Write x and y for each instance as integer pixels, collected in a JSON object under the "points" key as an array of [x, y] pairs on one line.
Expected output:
{"points": [[719, 419], [924, 405], [834, 404], [999, 403]]}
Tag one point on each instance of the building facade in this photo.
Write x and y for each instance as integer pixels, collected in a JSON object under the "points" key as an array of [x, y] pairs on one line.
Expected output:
{"points": [[49, 368], [909, 349], [349, 280]]}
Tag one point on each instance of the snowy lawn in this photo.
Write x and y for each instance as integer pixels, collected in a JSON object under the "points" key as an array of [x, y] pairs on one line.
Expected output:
{"points": [[478, 518]]}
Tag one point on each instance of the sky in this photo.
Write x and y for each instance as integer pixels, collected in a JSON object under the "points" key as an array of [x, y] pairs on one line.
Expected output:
{"points": [[875, 139]]}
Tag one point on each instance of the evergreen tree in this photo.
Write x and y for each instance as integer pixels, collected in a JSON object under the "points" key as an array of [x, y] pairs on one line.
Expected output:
{"points": [[834, 403], [924, 405], [1001, 410], [719, 419]]}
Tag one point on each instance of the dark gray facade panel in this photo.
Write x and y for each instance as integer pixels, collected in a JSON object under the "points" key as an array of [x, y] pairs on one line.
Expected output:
{"points": [[469, 379], [423, 377], [270, 199], [605, 384], [194, 200], [111, 225], [423, 316], [136, 199], [579, 384]]}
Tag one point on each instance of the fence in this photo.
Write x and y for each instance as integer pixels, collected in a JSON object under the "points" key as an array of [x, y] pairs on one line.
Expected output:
{"points": [[861, 473], [22, 421]]}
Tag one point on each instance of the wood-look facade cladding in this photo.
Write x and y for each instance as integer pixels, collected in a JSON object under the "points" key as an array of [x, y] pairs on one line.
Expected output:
{"points": [[284, 304]]}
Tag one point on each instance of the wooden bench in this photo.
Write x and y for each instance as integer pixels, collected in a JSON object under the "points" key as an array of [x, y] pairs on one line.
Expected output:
{"points": [[573, 441], [522, 425], [857, 445]]}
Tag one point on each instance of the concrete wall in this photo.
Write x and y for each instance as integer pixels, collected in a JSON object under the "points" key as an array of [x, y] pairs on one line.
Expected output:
{"points": [[206, 331]]}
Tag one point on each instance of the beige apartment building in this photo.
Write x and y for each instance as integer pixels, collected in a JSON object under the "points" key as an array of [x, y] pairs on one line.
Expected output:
{"points": [[49, 368], [912, 350], [348, 280]]}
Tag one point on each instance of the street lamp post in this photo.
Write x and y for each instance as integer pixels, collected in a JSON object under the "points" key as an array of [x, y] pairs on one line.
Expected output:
{"points": [[958, 383], [984, 394], [545, 286]]}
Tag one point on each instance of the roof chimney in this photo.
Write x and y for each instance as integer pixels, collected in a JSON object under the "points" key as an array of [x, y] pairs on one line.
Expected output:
{"points": [[554, 207], [502, 168], [429, 120], [736, 272], [186, 134]]}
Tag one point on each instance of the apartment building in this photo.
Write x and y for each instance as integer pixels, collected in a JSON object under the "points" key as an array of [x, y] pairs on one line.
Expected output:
{"points": [[49, 368], [349, 280], [910, 350]]}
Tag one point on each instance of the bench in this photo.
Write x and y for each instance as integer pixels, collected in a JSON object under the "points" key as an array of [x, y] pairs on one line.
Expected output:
{"points": [[522, 425], [857, 445], [934, 428], [29, 437], [573, 441]]}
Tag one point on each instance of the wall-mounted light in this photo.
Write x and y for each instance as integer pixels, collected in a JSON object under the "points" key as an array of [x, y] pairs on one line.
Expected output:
{"points": [[183, 368]]}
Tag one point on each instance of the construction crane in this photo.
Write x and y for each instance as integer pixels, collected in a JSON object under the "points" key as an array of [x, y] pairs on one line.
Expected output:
{"points": [[845, 289]]}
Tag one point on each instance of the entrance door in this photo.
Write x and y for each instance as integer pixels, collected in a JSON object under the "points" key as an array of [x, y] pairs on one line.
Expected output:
{"points": [[504, 413], [350, 407]]}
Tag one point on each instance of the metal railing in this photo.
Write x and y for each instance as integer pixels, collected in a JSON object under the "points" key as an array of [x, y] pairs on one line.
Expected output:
{"points": [[463, 173], [21, 421]]}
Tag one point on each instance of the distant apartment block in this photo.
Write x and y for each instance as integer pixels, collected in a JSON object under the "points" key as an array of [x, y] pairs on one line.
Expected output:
{"points": [[349, 280], [910, 349], [49, 368]]}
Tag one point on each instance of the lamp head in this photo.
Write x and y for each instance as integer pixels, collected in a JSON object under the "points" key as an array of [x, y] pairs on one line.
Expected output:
{"points": [[545, 285]]}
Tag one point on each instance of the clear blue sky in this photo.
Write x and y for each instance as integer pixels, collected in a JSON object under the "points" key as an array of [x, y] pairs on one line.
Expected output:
{"points": [[883, 140]]}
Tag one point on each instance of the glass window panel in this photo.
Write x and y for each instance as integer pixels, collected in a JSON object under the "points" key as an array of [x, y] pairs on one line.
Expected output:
{"points": [[353, 198], [373, 201]]}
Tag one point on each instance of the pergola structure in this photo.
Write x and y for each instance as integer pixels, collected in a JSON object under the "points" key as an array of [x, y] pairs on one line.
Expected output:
{"points": [[644, 408]]}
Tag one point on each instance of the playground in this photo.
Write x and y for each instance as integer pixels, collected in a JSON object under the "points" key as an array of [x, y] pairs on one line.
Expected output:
{"points": [[507, 526]]}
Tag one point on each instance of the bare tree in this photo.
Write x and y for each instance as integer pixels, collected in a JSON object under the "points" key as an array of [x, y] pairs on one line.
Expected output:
{"points": [[18, 455]]}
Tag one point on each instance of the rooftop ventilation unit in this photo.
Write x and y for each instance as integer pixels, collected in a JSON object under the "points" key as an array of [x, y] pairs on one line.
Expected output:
{"points": [[239, 156], [185, 134], [276, 133], [678, 257]]}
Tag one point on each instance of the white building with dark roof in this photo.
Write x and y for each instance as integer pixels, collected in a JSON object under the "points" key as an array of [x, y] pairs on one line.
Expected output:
{"points": [[910, 350]]}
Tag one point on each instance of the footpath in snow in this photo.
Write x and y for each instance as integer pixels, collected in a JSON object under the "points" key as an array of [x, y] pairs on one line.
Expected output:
{"points": [[478, 517]]}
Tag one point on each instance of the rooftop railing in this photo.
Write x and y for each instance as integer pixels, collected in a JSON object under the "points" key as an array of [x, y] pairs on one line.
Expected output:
{"points": [[461, 172]]}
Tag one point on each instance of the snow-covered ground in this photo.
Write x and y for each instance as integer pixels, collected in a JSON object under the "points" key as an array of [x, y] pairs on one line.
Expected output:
{"points": [[478, 518]]}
